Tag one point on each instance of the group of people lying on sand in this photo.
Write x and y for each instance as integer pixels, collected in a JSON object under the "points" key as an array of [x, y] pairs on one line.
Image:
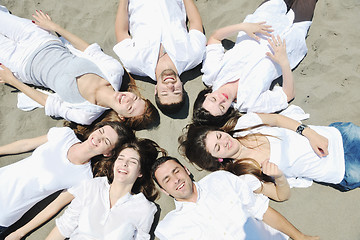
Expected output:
{"points": [[109, 175]]}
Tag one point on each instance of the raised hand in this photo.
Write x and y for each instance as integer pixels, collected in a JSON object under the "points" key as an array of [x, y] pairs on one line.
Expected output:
{"points": [[44, 21], [271, 169], [279, 50], [252, 28]]}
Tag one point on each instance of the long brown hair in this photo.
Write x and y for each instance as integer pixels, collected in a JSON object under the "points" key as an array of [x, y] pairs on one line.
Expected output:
{"points": [[193, 147]]}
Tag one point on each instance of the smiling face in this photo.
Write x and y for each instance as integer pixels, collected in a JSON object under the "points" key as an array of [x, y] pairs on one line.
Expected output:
{"points": [[169, 87], [102, 141], [127, 166], [128, 104], [175, 181], [221, 145], [217, 103]]}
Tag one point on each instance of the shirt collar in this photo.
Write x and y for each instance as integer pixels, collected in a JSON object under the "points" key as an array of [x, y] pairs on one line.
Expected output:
{"points": [[181, 205]]}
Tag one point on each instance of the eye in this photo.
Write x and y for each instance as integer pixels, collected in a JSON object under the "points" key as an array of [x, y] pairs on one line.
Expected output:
{"points": [[217, 148], [222, 108], [213, 99]]}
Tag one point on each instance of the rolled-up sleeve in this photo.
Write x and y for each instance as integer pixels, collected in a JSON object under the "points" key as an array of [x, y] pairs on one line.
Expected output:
{"points": [[212, 63], [56, 107]]}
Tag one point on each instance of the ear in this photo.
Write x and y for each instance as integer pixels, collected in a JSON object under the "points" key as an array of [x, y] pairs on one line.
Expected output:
{"points": [[140, 175], [163, 190], [122, 118], [155, 91], [187, 171]]}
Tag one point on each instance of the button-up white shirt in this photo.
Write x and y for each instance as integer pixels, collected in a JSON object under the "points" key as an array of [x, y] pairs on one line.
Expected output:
{"points": [[156, 22], [226, 208], [247, 60], [89, 215]]}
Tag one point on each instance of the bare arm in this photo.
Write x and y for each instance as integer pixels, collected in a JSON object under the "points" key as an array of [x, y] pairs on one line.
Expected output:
{"points": [[23, 145], [193, 15], [55, 235], [48, 212], [280, 57], [279, 222], [280, 191], [6, 76], [122, 21], [249, 28], [44, 21], [318, 143]]}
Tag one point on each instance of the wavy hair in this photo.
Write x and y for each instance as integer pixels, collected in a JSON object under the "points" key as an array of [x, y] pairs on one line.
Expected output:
{"points": [[148, 151], [204, 117], [193, 147]]}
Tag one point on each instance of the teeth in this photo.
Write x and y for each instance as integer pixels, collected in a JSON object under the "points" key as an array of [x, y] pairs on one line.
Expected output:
{"points": [[93, 142], [181, 185], [122, 171]]}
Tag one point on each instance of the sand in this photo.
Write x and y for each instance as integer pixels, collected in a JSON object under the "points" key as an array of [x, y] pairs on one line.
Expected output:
{"points": [[327, 85]]}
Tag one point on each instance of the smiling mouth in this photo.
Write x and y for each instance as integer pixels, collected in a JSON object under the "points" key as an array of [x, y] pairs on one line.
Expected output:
{"points": [[225, 95], [180, 186], [122, 171], [93, 142]]}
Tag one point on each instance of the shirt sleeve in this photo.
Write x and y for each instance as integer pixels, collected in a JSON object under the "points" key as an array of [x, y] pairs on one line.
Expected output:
{"points": [[270, 101], [146, 223], [212, 62], [68, 222], [198, 44], [56, 107], [129, 54]]}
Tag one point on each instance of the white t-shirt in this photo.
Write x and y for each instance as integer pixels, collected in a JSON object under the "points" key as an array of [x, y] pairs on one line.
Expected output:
{"points": [[247, 60], [226, 208], [156, 22], [46, 171], [293, 153], [89, 215]]}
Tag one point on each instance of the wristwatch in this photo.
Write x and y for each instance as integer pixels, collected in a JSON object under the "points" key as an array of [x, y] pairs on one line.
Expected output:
{"points": [[301, 128]]}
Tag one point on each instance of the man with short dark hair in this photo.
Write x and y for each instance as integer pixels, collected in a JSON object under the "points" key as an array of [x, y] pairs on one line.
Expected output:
{"points": [[153, 41], [220, 206]]}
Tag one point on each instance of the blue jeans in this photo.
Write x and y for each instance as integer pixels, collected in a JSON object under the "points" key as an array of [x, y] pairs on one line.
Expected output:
{"points": [[351, 141]]}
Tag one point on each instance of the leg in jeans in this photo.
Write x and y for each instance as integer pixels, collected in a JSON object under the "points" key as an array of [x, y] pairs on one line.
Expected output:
{"points": [[351, 141]]}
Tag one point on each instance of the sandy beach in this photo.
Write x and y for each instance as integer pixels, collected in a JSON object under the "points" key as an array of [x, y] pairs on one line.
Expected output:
{"points": [[327, 87]]}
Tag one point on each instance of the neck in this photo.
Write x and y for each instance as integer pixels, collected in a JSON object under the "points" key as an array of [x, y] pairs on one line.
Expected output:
{"points": [[78, 154], [117, 191], [104, 96], [231, 89]]}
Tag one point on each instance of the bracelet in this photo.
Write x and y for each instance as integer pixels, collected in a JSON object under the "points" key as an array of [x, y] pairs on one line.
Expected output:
{"points": [[301, 128]]}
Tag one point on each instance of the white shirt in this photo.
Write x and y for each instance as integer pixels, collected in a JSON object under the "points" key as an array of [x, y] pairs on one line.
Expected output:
{"points": [[156, 22], [47, 170], [247, 60], [226, 208], [293, 153], [86, 112], [89, 215]]}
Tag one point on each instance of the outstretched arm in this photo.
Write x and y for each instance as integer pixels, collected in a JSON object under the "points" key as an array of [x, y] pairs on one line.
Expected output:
{"points": [[122, 21], [280, 57], [6, 76], [193, 15], [44, 21], [23, 145], [280, 191], [318, 143], [48, 212], [279, 222], [249, 28]]}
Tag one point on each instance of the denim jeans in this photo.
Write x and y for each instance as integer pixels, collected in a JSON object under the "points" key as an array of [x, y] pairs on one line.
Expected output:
{"points": [[351, 141]]}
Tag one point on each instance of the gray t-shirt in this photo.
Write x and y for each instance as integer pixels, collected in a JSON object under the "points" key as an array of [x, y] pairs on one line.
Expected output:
{"points": [[53, 66]]}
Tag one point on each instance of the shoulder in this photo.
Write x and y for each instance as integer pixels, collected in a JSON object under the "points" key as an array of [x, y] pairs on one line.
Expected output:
{"points": [[141, 201], [60, 133]]}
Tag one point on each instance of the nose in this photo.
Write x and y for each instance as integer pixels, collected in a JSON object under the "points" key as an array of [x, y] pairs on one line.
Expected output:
{"points": [[125, 163], [170, 86]]}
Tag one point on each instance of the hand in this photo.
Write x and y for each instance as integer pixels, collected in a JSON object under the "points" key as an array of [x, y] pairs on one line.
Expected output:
{"points": [[271, 169], [261, 28], [14, 236], [6, 76], [44, 21], [279, 49], [318, 142]]}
